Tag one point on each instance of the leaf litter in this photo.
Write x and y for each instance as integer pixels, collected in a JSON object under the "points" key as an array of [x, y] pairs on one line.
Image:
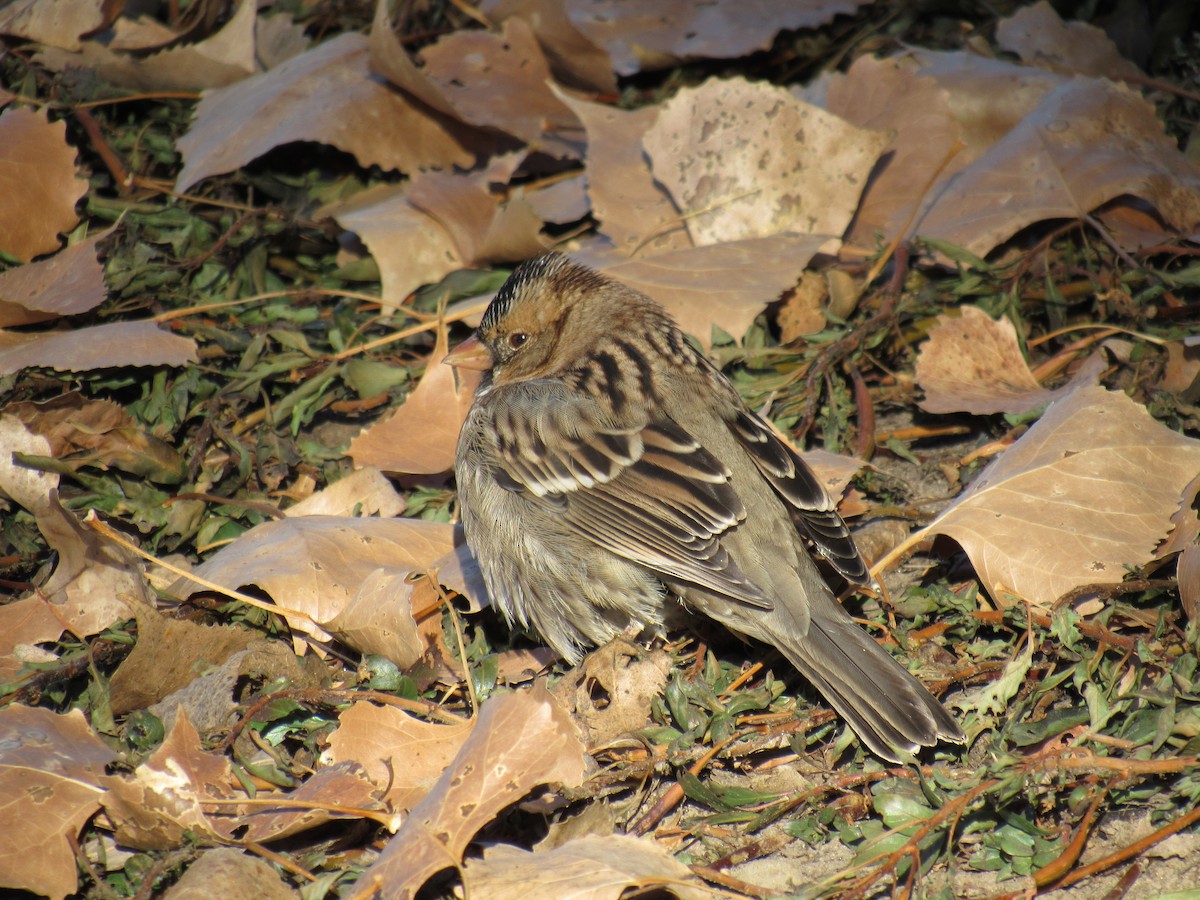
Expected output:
{"points": [[309, 273]]}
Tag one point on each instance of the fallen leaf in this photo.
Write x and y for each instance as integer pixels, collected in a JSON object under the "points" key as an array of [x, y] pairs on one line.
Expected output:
{"points": [[725, 284], [1188, 574], [230, 873], [326, 94], [363, 492], [326, 794], [675, 31], [635, 211], [57, 23], [1083, 495], [68, 283], [51, 782], [38, 181], [610, 693], [575, 59], [420, 437], [401, 754], [745, 160], [520, 741], [164, 799], [973, 363], [1040, 37], [351, 577], [593, 867], [97, 347]]}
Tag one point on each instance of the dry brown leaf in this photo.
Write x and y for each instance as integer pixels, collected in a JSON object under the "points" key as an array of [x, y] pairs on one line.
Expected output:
{"points": [[1182, 371], [662, 35], [520, 741], [420, 437], [1188, 574], [339, 786], [1087, 492], [973, 363], [500, 81], [594, 867], [51, 783], [349, 576], [66, 284], [38, 182], [231, 874], [610, 693], [438, 223], [726, 285], [224, 57], [164, 798], [887, 95], [562, 201], [97, 347], [27, 486], [56, 23], [745, 160], [363, 492], [400, 753], [803, 309], [635, 211], [1087, 142], [1041, 38], [99, 433], [328, 95], [168, 655], [574, 59]]}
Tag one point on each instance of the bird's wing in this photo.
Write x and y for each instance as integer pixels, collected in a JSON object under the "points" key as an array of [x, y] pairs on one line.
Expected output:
{"points": [[646, 491], [790, 476]]}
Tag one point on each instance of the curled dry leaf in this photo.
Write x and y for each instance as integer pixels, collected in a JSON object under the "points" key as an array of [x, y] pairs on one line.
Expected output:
{"points": [[520, 741], [745, 160], [973, 363], [401, 754], [222, 58], [325, 94], [350, 578], [1039, 36], [155, 807], [38, 182], [326, 794], [595, 867], [420, 437], [1086, 493], [51, 783]]}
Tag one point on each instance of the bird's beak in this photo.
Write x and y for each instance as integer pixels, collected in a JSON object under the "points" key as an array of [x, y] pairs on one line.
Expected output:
{"points": [[470, 354]]}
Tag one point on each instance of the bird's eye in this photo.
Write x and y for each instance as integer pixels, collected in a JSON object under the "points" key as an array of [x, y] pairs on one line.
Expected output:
{"points": [[517, 338]]}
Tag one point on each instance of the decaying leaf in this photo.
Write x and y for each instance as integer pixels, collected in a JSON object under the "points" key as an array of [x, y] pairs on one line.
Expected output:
{"points": [[38, 182], [1086, 493], [97, 347], [401, 754], [746, 160], [68, 283], [51, 783], [519, 741], [594, 867], [420, 437], [973, 363]]}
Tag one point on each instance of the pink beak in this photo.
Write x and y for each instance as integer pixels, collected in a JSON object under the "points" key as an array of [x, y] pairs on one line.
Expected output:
{"points": [[470, 354]]}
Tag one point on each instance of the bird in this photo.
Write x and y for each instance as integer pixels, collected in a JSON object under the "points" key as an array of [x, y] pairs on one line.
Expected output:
{"points": [[609, 475]]}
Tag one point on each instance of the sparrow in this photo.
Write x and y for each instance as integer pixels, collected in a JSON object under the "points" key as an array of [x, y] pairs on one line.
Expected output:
{"points": [[608, 474]]}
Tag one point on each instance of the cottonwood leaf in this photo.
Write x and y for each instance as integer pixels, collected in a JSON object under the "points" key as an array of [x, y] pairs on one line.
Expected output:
{"points": [[38, 182], [420, 437], [68, 283], [98, 347], [1039, 36], [973, 363], [51, 783], [520, 741], [747, 160], [230, 873], [594, 867], [1086, 493], [402, 755], [349, 577]]}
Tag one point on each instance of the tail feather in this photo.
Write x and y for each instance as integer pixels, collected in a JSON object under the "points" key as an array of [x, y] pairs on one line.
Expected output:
{"points": [[886, 706]]}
